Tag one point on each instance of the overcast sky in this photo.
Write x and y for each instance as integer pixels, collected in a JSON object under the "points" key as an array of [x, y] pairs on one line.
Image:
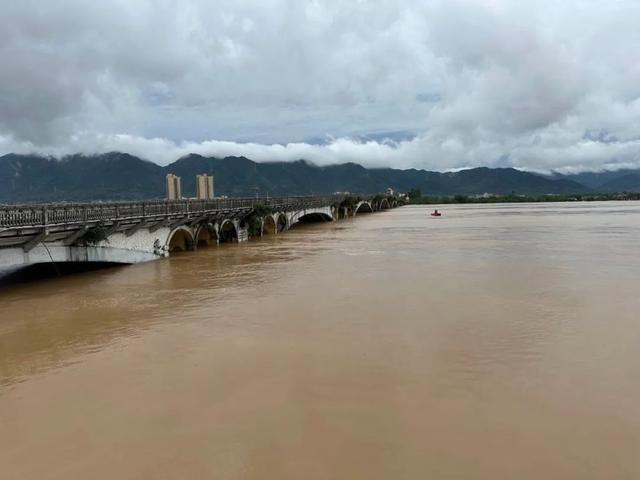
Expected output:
{"points": [[429, 84]]}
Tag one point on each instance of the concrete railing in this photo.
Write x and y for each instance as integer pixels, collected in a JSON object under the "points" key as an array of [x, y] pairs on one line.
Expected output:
{"points": [[38, 215]]}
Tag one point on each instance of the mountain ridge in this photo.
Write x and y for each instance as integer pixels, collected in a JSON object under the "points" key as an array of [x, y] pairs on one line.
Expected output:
{"points": [[121, 176]]}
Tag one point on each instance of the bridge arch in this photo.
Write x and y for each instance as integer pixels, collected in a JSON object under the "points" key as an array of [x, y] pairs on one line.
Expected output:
{"points": [[384, 204], [180, 240], [206, 235], [315, 217], [228, 232], [309, 215], [362, 207], [394, 204], [269, 225]]}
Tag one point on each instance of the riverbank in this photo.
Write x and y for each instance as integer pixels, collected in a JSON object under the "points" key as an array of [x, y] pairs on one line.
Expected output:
{"points": [[513, 198]]}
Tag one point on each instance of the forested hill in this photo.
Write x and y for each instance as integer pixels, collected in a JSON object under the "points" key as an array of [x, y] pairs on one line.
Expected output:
{"points": [[119, 176]]}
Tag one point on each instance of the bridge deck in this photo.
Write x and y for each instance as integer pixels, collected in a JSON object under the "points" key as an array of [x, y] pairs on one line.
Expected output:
{"points": [[58, 214]]}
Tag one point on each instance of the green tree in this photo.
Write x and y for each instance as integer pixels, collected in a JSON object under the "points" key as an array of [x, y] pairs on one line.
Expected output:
{"points": [[414, 193]]}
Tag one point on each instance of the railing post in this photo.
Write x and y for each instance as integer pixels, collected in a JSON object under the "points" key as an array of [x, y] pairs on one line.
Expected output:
{"points": [[45, 216]]}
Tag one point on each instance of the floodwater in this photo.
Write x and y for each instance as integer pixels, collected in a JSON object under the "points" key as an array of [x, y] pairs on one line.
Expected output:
{"points": [[495, 342]]}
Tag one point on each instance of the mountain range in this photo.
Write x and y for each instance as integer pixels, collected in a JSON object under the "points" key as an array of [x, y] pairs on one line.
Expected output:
{"points": [[120, 176]]}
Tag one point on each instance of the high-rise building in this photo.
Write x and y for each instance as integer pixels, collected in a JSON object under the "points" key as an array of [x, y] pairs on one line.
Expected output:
{"points": [[174, 189], [204, 186]]}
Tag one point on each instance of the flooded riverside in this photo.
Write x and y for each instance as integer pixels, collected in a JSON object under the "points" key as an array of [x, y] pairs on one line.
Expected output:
{"points": [[494, 342]]}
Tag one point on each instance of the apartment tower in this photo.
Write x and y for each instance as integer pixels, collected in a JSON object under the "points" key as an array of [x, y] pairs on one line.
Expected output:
{"points": [[174, 189], [204, 186]]}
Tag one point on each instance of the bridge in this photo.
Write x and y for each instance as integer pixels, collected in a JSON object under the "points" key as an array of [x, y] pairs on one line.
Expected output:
{"points": [[134, 232]]}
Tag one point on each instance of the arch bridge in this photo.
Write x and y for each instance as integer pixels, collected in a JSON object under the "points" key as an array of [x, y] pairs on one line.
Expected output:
{"points": [[134, 232]]}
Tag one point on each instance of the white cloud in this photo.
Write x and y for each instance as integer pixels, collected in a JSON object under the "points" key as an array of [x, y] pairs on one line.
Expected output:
{"points": [[499, 82]]}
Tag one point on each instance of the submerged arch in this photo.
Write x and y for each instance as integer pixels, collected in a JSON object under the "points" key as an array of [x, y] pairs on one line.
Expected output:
{"points": [[269, 225], [363, 207], [180, 240], [228, 232], [206, 236], [315, 217]]}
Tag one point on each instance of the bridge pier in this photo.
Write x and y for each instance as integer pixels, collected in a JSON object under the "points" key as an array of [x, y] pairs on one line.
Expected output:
{"points": [[242, 231]]}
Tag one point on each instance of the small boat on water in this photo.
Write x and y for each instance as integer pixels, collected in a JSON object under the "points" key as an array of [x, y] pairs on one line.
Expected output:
{"points": [[436, 213]]}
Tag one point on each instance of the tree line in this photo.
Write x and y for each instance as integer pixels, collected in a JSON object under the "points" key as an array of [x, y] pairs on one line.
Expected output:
{"points": [[416, 197]]}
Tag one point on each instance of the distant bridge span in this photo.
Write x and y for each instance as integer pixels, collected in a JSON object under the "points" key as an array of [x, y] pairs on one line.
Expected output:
{"points": [[134, 232]]}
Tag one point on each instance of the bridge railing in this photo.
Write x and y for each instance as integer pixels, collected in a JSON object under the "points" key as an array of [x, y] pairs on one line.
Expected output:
{"points": [[69, 213]]}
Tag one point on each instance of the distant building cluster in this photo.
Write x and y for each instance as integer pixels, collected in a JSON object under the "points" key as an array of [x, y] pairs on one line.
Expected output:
{"points": [[204, 187]]}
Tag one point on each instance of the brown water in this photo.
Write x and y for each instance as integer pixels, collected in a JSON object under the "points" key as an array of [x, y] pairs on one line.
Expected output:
{"points": [[496, 342]]}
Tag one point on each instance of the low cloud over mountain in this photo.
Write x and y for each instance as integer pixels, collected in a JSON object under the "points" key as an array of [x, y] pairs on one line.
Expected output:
{"points": [[536, 85]]}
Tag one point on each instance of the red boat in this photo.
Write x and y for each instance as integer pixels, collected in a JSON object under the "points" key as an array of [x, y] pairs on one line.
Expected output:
{"points": [[436, 213]]}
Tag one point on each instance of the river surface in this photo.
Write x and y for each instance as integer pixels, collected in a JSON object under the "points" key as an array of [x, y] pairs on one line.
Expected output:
{"points": [[495, 342]]}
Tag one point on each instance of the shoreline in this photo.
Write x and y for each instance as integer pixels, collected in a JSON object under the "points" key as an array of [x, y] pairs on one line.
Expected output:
{"points": [[552, 198]]}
